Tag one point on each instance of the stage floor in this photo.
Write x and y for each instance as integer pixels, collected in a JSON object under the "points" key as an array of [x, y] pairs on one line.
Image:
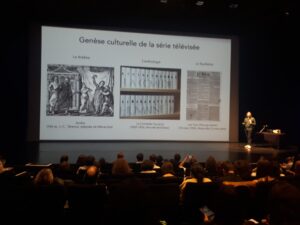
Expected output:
{"points": [[50, 152]]}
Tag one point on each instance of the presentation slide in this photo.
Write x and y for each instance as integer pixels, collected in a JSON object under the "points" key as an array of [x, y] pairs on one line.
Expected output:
{"points": [[112, 85]]}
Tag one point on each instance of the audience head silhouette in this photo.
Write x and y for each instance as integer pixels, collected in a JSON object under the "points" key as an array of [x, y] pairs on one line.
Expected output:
{"points": [[140, 157], [91, 174], [177, 157], [121, 167], [44, 177], [120, 155], [147, 165], [167, 168]]}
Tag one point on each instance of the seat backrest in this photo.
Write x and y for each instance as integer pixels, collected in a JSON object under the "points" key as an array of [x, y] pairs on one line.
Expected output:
{"points": [[86, 197], [199, 194], [163, 195], [136, 167]]}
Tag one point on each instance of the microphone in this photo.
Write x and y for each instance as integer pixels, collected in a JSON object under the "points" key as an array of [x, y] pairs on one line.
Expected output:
{"points": [[264, 127]]}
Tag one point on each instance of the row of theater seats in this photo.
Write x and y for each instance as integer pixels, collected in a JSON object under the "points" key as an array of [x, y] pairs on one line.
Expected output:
{"points": [[105, 173], [106, 168], [126, 200], [132, 201]]}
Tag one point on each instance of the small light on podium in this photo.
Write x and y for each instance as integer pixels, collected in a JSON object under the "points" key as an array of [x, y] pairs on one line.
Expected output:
{"points": [[277, 131], [247, 148]]}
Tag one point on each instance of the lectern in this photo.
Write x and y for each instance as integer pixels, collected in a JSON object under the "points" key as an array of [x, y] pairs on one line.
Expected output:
{"points": [[274, 139]]}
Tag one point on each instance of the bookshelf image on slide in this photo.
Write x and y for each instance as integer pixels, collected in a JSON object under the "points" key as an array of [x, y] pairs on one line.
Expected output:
{"points": [[149, 93]]}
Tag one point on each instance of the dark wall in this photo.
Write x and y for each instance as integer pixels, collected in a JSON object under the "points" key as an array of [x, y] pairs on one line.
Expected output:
{"points": [[268, 82], [14, 82]]}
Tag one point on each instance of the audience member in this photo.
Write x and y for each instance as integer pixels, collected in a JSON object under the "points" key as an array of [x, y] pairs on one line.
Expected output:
{"points": [[46, 177], [211, 168], [147, 167], [81, 165], [229, 173], [90, 160], [242, 169], [153, 158], [102, 165], [267, 170], [288, 164], [197, 176], [159, 160], [167, 170], [120, 155], [284, 204], [64, 170], [168, 174], [91, 175], [186, 164], [81, 160], [176, 160], [139, 158], [121, 167]]}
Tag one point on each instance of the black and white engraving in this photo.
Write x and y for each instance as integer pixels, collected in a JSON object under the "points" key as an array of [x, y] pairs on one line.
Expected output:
{"points": [[80, 90]]}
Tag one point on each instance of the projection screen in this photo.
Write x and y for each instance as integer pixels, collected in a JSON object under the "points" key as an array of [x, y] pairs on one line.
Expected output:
{"points": [[116, 85]]}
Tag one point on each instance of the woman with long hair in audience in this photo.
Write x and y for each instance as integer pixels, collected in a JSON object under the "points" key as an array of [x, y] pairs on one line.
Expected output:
{"points": [[197, 176], [121, 167], [45, 177]]}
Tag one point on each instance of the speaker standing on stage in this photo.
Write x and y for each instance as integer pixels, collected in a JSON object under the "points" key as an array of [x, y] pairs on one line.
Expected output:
{"points": [[249, 124]]}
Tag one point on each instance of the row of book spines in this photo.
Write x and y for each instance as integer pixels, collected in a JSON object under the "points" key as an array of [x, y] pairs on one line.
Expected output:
{"points": [[146, 105], [149, 79]]}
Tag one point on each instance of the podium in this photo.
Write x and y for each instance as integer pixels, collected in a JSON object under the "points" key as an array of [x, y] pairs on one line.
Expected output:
{"points": [[274, 139]]}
